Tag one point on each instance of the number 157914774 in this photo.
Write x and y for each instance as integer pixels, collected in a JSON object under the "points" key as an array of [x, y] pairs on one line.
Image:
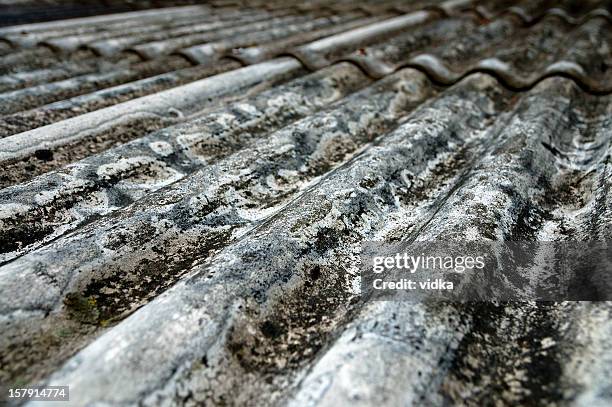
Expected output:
{"points": [[49, 393]]}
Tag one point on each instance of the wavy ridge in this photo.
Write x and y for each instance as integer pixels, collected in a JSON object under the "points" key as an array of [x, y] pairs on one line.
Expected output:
{"points": [[554, 11], [438, 71]]}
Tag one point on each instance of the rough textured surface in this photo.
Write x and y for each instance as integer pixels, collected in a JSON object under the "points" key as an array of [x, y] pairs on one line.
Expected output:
{"points": [[181, 192]]}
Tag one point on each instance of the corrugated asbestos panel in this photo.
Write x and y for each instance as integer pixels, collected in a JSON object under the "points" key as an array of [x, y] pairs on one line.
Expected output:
{"points": [[181, 188]]}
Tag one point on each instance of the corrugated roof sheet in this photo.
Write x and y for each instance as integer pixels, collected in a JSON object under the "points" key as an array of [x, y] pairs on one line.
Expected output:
{"points": [[181, 188]]}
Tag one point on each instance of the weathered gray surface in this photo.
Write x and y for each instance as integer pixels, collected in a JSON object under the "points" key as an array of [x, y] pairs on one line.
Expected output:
{"points": [[180, 235], [68, 138], [59, 201]]}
